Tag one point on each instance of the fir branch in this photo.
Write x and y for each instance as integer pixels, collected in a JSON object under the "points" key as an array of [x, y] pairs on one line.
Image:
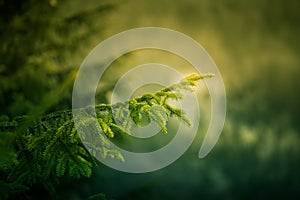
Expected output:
{"points": [[49, 147]]}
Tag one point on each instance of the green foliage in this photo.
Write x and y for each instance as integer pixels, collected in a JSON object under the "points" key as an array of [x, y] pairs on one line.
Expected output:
{"points": [[39, 150], [41, 42]]}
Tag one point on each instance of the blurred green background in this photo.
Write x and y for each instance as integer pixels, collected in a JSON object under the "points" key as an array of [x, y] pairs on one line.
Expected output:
{"points": [[255, 46]]}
